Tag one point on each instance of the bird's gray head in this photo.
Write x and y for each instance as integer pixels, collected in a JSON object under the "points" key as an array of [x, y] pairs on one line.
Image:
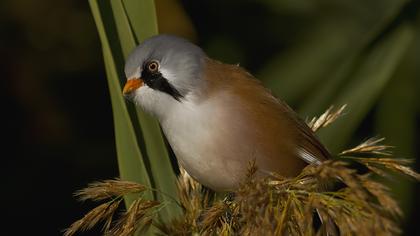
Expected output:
{"points": [[162, 71]]}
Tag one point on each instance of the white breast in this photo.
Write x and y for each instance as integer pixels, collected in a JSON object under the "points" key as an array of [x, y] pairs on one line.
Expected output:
{"points": [[209, 140]]}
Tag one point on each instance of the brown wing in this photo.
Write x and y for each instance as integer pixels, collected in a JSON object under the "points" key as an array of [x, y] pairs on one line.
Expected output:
{"points": [[281, 133], [311, 149]]}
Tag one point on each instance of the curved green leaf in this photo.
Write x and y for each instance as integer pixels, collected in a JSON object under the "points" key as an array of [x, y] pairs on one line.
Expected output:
{"points": [[130, 159], [119, 33], [161, 169]]}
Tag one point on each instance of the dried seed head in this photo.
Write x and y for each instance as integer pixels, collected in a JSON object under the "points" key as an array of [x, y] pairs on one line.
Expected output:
{"points": [[328, 117], [370, 146], [108, 189]]}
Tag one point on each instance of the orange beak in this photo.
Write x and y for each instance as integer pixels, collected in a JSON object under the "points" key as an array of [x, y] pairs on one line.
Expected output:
{"points": [[131, 85]]}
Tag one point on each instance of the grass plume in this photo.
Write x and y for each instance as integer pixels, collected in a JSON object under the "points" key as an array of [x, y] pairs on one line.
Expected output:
{"points": [[331, 198], [103, 212], [370, 146], [101, 190], [328, 117], [138, 216]]}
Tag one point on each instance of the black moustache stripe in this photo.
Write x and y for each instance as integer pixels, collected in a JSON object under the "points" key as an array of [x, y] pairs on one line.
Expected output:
{"points": [[158, 82]]}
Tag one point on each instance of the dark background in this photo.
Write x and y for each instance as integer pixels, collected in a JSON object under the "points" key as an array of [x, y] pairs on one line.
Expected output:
{"points": [[58, 127]]}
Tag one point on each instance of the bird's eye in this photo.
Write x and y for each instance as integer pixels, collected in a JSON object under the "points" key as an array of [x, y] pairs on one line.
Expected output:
{"points": [[153, 66]]}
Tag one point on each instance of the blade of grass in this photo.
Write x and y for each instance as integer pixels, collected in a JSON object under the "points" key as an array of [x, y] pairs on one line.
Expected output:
{"points": [[156, 151], [139, 13], [395, 118], [294, 72], [127, 39], [366, 84], [323, 96], [293, 75], [129, 156]]}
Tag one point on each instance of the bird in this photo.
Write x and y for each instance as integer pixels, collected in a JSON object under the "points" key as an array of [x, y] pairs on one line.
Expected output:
{"points": [[217, 117]]}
